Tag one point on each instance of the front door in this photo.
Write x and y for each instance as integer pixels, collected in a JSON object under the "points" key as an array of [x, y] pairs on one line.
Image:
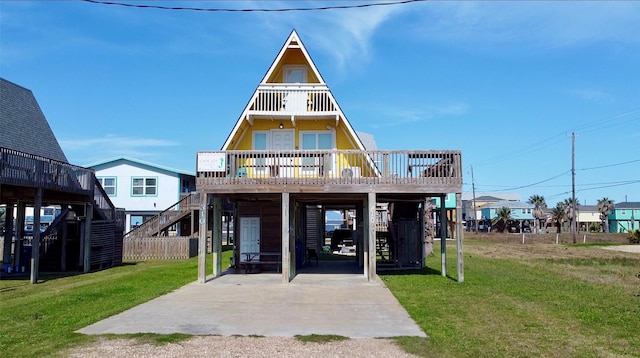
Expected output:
{"points": [[249, 238], [283, 139]]}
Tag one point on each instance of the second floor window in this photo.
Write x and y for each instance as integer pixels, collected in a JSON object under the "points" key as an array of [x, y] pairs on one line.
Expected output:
{"points": [[144, 186], [109, 185]]}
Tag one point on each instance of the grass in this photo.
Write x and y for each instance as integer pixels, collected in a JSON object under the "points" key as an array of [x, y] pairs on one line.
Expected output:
{"points": [[321, 338], [40, 320], [537, 299], [517, 307]]}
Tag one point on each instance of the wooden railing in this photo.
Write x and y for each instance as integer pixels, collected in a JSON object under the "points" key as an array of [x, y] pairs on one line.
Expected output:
{"points": [[18, 168], [333, 167], [161, 221], [289, 99]]}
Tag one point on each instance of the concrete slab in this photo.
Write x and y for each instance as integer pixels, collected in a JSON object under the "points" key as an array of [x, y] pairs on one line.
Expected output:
{"points": [[261, 304]]}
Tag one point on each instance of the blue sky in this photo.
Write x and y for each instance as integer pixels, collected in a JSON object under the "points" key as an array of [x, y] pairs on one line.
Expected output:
{"points": [[505, 82]]}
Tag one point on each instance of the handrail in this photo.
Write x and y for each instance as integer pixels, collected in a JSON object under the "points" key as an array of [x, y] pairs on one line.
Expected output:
{"points": [[165, 218], [315, 167], [19, 168]]}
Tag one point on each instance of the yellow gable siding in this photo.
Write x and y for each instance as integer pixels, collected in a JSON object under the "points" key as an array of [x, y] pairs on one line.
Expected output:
{"points": [[292, 57], [342, 140]]}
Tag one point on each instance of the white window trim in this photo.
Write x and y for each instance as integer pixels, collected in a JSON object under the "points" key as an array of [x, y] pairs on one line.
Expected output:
{"points": [[333, 147], [287, 68], [115, 185], [260, 169]]}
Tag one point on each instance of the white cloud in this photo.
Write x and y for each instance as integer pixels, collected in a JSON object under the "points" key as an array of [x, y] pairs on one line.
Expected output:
{"points": [[537, 23], [94, 149], [399, 117]]}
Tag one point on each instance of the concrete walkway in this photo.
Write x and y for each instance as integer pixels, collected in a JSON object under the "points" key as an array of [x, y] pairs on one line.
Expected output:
{"points": [[260, 304]]}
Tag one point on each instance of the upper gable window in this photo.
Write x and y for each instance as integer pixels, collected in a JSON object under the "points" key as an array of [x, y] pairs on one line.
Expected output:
{"points": [[295, 74]]}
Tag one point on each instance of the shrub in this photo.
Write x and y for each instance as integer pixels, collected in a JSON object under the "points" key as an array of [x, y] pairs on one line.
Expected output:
{"points": [[635, 236]]}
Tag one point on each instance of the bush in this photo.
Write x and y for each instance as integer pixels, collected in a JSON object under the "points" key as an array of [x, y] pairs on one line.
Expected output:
{"points": [[635, 237]]}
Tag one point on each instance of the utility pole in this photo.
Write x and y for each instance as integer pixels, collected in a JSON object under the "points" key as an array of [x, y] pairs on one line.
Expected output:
{"points": [[573, 186], [475, 212]]}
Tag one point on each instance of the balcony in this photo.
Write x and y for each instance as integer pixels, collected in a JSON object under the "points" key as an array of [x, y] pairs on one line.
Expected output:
{"points": [[22, 169], [288, 100], [427, 172]]}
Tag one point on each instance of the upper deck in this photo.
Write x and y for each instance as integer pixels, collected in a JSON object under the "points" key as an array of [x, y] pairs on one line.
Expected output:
{"points": [[331, 171]]}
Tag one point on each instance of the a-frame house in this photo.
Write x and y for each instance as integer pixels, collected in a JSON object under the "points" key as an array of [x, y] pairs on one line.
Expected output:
{"points": [[292, 155]]}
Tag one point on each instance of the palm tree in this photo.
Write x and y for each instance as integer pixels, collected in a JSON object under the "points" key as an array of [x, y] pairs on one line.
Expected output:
{"points": [[571, 213], [605, 207], [538, 209], [503, 216], [558, 215]]}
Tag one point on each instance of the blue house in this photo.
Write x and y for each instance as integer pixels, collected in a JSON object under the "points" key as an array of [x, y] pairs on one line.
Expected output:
{"points": [[521, 214], [625, 217]]}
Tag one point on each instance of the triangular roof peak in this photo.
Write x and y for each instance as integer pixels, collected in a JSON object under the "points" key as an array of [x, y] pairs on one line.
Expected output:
{"points": [[297, 52]]}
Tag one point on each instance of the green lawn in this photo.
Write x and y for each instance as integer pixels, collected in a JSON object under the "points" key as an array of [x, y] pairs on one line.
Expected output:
{"points": [[40, 320], [583, 306], [516, 301]]}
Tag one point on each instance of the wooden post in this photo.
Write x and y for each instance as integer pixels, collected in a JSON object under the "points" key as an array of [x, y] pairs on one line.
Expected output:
{"points": [[365, 238], [86, 239], [202, 239], [8, 236], [286, 249], [35, 242], [217, 237], [21, 208], [443, 235], [370, 232], [459, 237]]}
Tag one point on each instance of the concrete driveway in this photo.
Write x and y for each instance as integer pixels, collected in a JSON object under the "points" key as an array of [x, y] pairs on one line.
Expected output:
{"points": [[260, 304]]}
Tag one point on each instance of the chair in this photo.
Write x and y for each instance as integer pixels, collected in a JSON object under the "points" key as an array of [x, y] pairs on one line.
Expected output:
{"points": [[312, 253]]}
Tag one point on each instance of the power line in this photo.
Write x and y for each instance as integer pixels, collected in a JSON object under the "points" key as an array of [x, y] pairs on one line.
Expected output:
{"points": [[612, 165], [290, 9]]}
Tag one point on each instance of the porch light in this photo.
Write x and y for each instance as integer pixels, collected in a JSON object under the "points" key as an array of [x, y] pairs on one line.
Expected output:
{"points": [[281, 126]]}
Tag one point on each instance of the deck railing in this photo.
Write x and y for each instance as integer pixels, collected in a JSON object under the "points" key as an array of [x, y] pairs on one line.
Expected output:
{"points": [[313, 167], [18, 168], [288, 99], [161, 221]]}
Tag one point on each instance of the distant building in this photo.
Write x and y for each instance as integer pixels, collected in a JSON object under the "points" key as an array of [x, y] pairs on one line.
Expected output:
{"points": [[143, 189], [625, 217]]}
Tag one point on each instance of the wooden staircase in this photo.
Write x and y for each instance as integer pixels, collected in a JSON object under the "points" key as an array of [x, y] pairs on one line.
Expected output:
{"points": [[162, 221]]}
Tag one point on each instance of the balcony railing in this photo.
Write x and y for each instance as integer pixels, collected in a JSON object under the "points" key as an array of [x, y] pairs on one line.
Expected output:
{"points": [[298, 99], [419, 169], [18, 168]]}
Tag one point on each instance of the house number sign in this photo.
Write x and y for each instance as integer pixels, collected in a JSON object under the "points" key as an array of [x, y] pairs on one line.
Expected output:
{"points": [[212, 162]]}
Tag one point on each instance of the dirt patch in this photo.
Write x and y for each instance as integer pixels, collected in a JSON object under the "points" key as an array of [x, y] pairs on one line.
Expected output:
{"points": [[217, 346]]}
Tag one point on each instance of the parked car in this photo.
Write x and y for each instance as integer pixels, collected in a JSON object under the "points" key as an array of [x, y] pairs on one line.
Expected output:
{"points": [[341, 237]]}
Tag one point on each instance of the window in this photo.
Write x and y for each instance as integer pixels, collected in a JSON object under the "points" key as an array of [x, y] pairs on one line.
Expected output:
{"points": [[260, 142], [315, 141], [144, 186], [109, 185], [294, 74]]}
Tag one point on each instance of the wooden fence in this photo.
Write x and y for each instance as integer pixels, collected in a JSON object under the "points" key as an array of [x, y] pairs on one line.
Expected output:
{"points": [[159, 248]]}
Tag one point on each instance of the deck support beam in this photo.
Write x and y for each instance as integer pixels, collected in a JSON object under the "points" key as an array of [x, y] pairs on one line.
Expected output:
{"points": [[202, 239], [35, 253], [86, 237], [370, 238], [217, 237], [288, 265], [459, 237], [8, 236], [443, 235]]}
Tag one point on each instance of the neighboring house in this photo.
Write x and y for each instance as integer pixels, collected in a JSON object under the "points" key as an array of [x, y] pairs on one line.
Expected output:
{"points": [[481, 201], [34, 172], [625, 217], [292, 155], [521, 214], [588, 215], [143, 189]]}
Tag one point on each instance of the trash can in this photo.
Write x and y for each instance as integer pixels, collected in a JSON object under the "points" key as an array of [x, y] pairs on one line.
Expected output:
{"points": [[25, 257]]}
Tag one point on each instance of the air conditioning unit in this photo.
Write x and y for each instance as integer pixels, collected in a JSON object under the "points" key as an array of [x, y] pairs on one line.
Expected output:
{"points": [[350, 172]]}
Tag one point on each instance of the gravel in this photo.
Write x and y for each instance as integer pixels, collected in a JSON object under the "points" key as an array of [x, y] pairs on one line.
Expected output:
{"points": [[219, 346]]}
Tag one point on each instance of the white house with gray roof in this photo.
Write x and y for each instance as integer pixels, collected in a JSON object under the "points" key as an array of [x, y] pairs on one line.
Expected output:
{"points": [[144, 189]]}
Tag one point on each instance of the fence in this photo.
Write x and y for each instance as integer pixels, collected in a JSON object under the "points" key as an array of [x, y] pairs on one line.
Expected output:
{"points": [[159, 248]]}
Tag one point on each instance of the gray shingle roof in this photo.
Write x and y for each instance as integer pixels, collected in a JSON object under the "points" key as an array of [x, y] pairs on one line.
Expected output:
{"points": [[24, 127], [628, 205]]}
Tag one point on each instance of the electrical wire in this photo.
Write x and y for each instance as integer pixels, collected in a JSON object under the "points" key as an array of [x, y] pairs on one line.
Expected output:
{"points": [[291, 9]]}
